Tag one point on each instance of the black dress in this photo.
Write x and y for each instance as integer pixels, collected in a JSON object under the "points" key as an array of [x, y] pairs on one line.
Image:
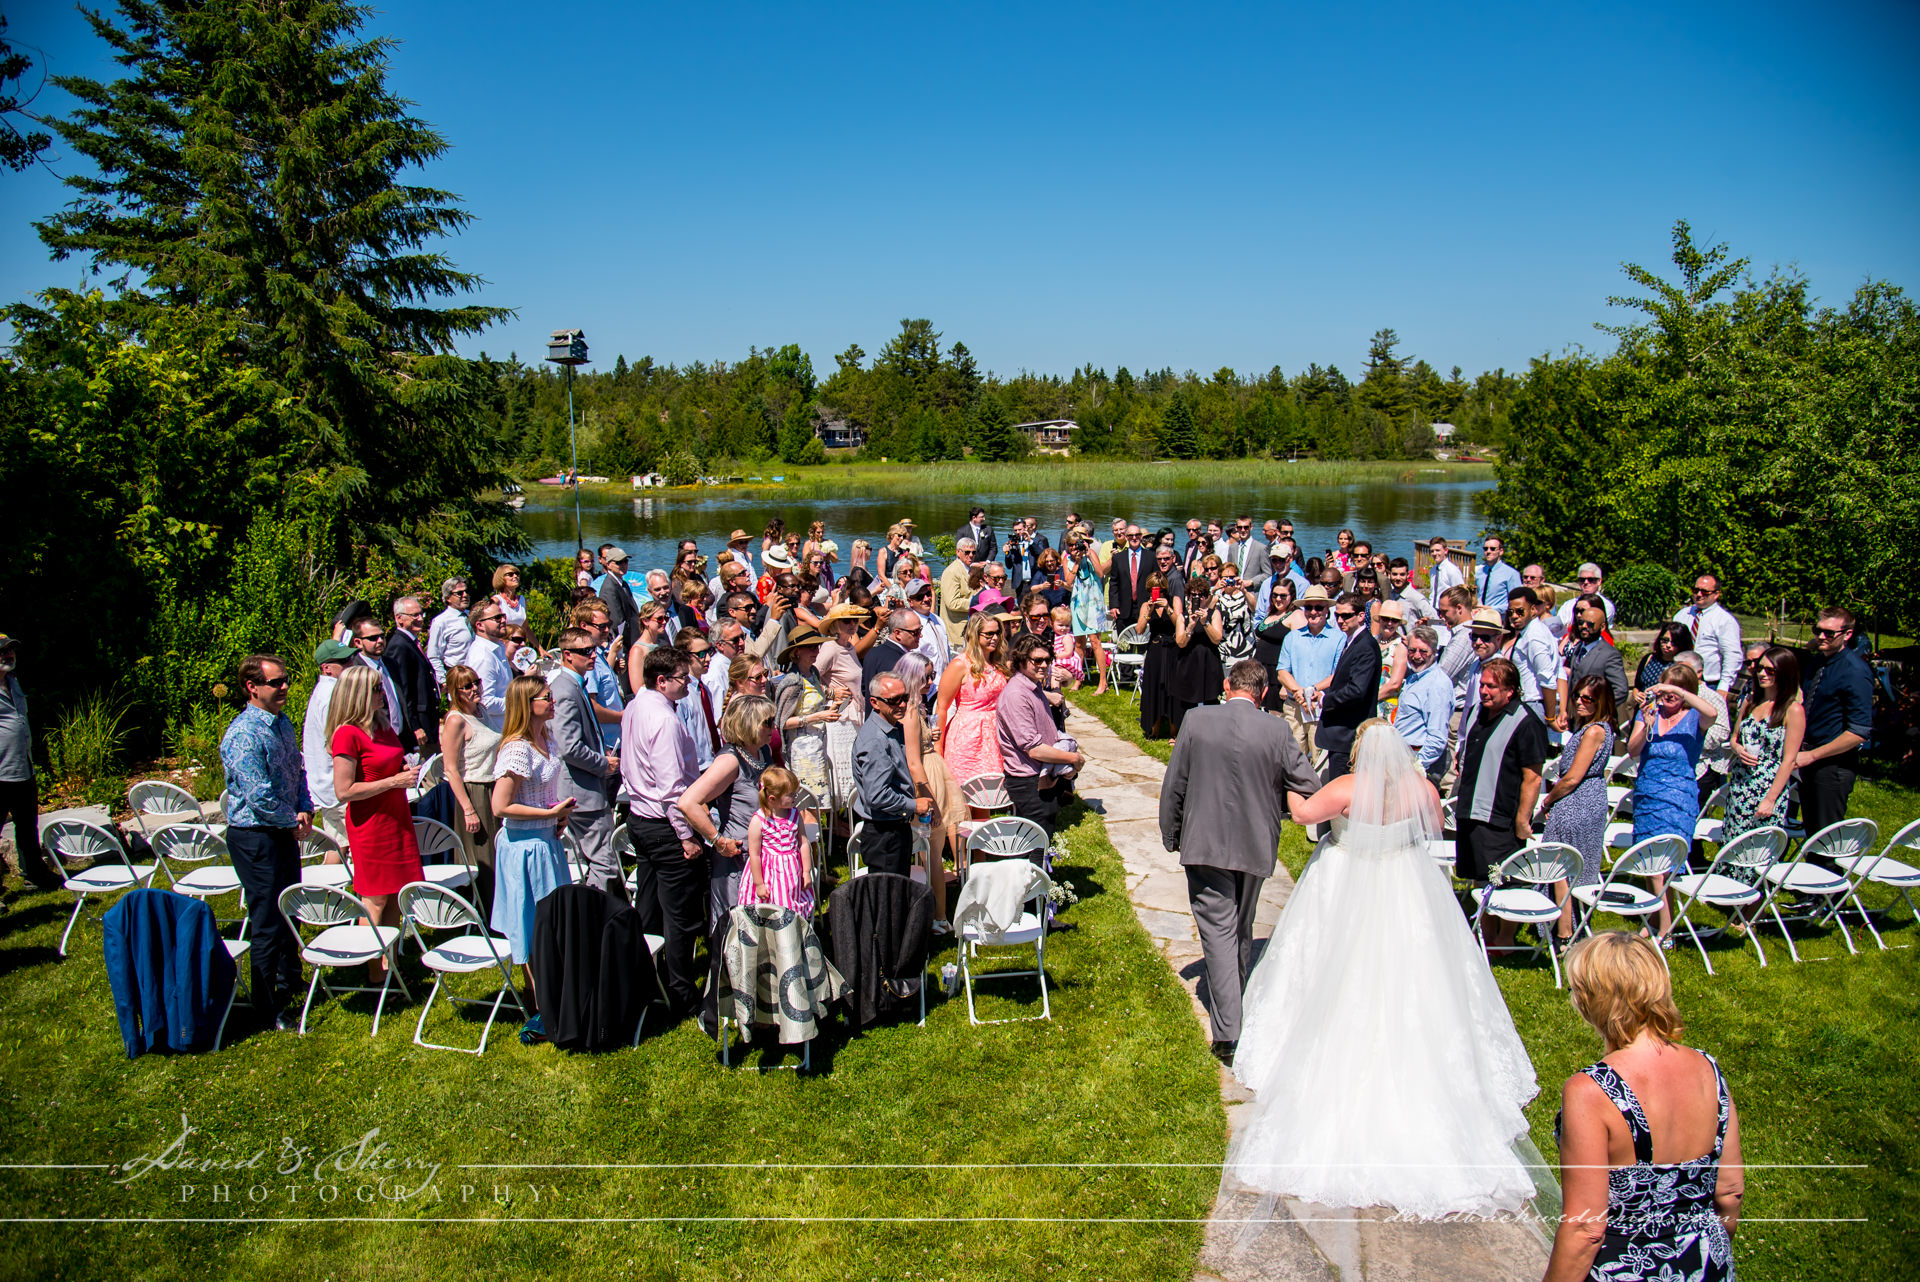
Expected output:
{"points": [[1660, 1219], [1197, 674], [1156, 675]]}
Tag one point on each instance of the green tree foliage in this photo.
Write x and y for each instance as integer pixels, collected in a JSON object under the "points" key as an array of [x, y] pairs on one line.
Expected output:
{"points": [[1177, 436], [19, 149], [995, 438], [1737, 429]]}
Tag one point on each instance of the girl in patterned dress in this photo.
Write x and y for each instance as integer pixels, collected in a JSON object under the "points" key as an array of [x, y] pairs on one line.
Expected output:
{"points": [[779, 861]]}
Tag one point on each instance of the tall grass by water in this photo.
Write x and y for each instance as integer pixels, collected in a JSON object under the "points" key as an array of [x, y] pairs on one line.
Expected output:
{"points": [[1106, 475], [84, 749]]}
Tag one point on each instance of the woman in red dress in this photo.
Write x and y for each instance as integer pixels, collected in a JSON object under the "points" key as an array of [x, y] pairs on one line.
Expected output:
{"points": [[371, 777]]}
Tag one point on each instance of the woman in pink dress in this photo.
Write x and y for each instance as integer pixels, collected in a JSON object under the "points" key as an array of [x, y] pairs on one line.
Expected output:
{"points": [[371, 777], [969, 698]]}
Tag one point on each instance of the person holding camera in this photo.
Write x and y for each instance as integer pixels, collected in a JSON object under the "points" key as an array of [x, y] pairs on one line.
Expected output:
{"points": [[1159, 622]]}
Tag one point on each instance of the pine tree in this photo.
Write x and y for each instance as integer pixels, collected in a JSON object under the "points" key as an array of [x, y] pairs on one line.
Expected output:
{"points": [[250, 161], [1177, 436], [997, 441]]}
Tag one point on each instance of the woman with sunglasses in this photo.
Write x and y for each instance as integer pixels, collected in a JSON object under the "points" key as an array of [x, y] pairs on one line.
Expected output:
{"points": [[1767, 737], [1086, 567], [970, 698], [371, 777], [467, 748], [719, 805], [1574, 811], [528, 860], [1195, 677], [506, 591], [1159, 622], [1670, 640], [931, 778]]}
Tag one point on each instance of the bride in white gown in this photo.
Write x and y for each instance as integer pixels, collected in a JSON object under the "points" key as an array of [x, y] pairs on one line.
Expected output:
{"points": [[1385, 1066]]}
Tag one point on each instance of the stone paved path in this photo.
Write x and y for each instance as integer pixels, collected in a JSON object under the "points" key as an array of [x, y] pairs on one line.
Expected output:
{"points": [[1253, 1237]]}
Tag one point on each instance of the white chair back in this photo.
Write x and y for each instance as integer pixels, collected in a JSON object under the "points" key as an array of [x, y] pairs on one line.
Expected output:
{"points": [[304, 904], [1130, 635], [191, 844], [77, 842], [432, 907], [435, 838], [1848, 837], [1654, 857], [318, 844], [1007, 838], [1753, 852], [432, 771], [1541, 865], [987, 792], [153, 797]]}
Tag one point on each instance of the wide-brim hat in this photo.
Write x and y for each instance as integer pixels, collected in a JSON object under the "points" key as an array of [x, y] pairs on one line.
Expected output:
{"points": [[799, 639], [1486, 618], [843, 611], [1314, 595], [989, 598], [776, 558], [1392, 610], [906, 521]]}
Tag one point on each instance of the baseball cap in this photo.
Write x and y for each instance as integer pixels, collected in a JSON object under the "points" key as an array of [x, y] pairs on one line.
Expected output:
{"points": [[331, 651]]}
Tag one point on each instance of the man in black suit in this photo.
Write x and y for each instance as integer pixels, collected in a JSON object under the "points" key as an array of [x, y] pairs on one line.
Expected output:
{"points": [[406, 663], [1354, 693], [902, 639], [1127, 580], [1589, 653], [1023, 553], [980, 530]]}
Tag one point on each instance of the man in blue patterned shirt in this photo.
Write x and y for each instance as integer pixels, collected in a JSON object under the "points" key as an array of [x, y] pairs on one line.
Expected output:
{"points": [[269, 812]]}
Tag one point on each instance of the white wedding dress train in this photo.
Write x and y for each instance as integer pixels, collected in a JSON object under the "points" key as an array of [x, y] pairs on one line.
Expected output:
{"points": [[1385, 1067]]}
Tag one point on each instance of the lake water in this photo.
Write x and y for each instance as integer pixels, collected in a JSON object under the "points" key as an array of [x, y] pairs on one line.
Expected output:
{"points": [[1393, 515]]}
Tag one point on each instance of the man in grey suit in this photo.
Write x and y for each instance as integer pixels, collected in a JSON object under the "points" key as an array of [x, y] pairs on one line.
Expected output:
{"points": [[1588, 653], [590, 768], [1221, 806], [1246, 551]]}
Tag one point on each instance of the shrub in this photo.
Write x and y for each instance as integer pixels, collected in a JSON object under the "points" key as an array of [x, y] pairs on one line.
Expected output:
{"points": [[84, 748], [195, 740], [681, 468], [943, 544], [1645, 596]]}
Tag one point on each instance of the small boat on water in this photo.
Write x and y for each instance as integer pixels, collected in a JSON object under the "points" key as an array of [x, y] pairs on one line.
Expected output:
{"points": [[567, 480]]}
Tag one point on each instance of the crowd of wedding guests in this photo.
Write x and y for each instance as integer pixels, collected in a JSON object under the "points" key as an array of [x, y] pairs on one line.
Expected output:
{"points": [[725, 707]]}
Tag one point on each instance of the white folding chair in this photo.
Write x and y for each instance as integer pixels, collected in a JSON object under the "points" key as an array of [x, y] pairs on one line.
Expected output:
{"points": [[1008, 837], [315, 870], [576, 859], [155, 802], [1849, 837], [207, 864], [426, 906], [1884, 870], [1654, 857], [983, 792], [1710, 827], [1031, 928], [432, 771], [1513, 894], [435, 840], [1128, 658], [237, 949], [1737, 879], [343, 941], [100, 864]]}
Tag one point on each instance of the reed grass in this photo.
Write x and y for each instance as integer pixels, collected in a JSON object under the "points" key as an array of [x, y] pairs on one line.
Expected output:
{"points": [[84, 747], [1104, 475], [195, 740]]}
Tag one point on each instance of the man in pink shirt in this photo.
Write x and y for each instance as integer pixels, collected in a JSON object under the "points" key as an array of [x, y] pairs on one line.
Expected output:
{"points": [[1029, 742], [657, 765]]}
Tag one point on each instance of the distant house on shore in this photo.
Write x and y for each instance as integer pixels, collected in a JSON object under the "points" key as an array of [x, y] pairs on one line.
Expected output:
{"points": [[1050, 433], [838, 434], [1443, 432]]}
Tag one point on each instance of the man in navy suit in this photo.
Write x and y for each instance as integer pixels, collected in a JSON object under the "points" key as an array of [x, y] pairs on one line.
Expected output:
{"points": [[1354, 693], [980, 530]]}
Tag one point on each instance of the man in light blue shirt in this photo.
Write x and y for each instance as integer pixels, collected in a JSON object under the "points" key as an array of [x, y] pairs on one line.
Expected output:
{"points": [[1493, 580], [1426, 703], [1305, 667]]}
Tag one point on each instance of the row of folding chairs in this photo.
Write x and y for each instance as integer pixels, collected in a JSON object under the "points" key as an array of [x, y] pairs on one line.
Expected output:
{"points": [[1747, 877]]}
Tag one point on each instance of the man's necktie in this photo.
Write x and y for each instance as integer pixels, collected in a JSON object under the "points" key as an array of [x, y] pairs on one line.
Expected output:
{"points": [[706, 710]]}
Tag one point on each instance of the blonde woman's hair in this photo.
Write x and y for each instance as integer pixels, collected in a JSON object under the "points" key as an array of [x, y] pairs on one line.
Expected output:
{"points": [[1621, 988], [520, 695], [500, 574], [745, 714], [977, 661], [357, 701], [459, 677], [737, 671], [1360, 732]]}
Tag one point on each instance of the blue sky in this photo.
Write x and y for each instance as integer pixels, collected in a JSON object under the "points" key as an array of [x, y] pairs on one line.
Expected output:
{"points": [[1143, 185]]}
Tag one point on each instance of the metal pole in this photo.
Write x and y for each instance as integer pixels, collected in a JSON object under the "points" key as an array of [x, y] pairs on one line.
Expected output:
{"points": [[574, 435]]}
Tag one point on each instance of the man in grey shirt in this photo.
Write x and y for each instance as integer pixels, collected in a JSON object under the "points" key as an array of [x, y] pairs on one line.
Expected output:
{"points": [[19, 793], [884, 799]]}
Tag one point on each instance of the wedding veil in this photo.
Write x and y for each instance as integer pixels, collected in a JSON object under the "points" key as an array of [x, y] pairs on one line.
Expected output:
{"points": [[1393, 806]]}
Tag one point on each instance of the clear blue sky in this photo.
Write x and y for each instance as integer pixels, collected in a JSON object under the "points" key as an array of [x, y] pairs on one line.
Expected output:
{"points": [[1186, 185]]}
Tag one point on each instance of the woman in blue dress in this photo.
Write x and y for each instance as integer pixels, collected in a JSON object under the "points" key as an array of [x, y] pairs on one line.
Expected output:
{"points": [[1667, 736], [1082, 565]]}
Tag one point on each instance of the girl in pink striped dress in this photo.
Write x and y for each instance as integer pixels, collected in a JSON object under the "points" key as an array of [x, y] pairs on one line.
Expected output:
{"points": [[779, 862]]}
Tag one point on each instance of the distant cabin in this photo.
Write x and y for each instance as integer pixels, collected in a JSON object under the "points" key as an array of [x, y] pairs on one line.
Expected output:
{"points": [[1050, 433], [1443, 432], [838, 434]]}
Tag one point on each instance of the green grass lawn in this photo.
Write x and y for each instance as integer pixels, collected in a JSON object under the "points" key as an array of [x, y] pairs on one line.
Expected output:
{"points": [[1119, 1076], [1821, 1057]]}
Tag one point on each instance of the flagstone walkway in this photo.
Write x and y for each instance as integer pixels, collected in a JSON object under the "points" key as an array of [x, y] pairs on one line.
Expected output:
{"points": [[1254, 1237]]}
